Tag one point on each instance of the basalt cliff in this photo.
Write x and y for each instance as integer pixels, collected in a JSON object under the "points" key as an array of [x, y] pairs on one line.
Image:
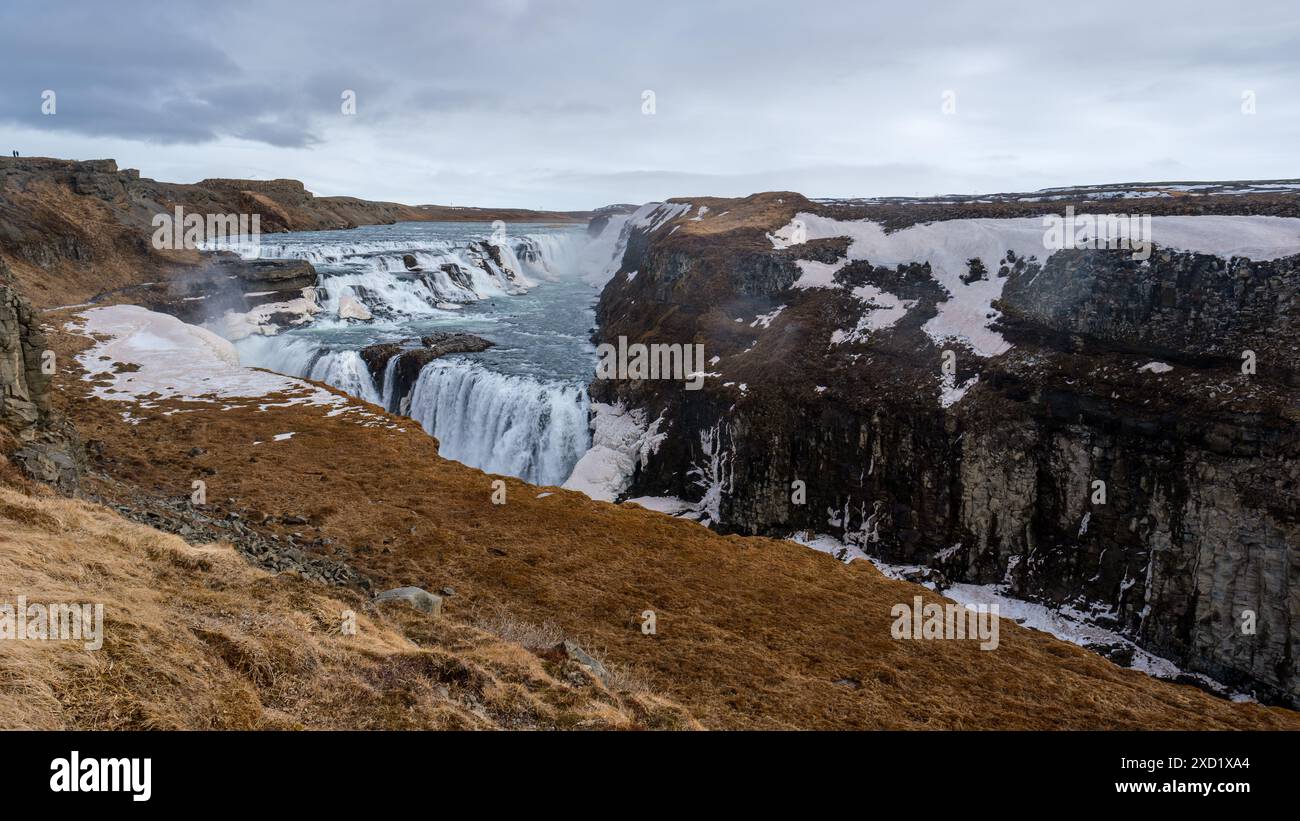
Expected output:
{"points": [[930, 384]]}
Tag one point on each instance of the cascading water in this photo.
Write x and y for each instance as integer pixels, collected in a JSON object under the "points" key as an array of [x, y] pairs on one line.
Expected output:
{"points": [[519, 408], [424, 268], [502, 424]]}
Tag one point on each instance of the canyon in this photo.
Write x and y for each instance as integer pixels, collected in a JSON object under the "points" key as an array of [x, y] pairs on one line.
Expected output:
{"points": [[980, 474]]}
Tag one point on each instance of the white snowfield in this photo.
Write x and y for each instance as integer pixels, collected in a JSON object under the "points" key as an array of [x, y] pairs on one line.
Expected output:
{"points": [[173, 360], [947, 245]]}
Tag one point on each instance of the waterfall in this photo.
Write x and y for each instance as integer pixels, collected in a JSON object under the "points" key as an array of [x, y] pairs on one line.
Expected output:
{"points": [[502, 424], [376, 272], [521, 423], [342, 369], [513, 425]]}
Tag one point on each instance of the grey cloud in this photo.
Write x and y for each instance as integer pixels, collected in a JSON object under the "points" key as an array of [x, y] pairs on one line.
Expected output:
{"points": [[538, 101]]}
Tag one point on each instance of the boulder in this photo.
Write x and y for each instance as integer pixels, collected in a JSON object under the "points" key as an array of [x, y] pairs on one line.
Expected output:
{"points": [[352, 308], [574, 653], [417, 597]]}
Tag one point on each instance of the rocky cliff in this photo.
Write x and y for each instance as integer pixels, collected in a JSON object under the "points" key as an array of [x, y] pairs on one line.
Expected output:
{"points": [[1114, 436], [31, 434]]}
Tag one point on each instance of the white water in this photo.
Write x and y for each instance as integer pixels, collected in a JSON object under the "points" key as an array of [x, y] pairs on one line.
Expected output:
{"points": [[502, 424], [520, 408], [374, 270]]}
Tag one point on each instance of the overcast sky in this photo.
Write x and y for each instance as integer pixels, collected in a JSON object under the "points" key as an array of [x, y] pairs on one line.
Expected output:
{"points": [[539, 103]]}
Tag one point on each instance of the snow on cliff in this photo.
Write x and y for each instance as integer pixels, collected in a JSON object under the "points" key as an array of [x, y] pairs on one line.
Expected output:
{"points": [[949, 245]]}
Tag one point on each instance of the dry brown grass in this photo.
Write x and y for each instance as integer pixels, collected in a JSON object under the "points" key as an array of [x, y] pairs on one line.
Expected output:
{"points": [[531, 635], [195, 638]]}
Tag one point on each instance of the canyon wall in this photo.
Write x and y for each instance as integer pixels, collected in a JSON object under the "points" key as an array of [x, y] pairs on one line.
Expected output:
{"points": [[1115, 458]]}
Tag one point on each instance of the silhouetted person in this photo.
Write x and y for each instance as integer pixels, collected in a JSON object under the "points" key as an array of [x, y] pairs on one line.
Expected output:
{"points": [[15, 153]]}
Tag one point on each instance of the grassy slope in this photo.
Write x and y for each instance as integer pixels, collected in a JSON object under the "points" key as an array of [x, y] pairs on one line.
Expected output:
{"points": [[197, 639]]}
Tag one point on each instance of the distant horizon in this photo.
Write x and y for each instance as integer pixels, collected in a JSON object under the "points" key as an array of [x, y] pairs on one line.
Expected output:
{"points": [[698, 195]]}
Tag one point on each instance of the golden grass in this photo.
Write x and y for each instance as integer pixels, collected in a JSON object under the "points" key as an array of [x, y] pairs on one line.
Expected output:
{"points": [[195, 638]]}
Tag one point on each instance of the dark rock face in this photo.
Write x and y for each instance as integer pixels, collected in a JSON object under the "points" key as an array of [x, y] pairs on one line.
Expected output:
{"points": [[1192, 308], [1197, 533], [487, 255], [265, 274], [412, 355], [41, 443], [458, 275]]}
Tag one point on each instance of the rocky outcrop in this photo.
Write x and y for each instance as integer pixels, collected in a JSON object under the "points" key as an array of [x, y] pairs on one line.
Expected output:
{"points": [[416, 597], [237, 297], [1116, 460], [30, 433], [411, 357]]}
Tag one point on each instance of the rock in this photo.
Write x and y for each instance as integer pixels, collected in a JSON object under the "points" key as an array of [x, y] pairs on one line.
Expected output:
{"points": [[1119, 652], [50, 462], [280, 275], [448, 591], [49, 449], [420, 599], [352, 308], [411, 263], [927, 575], [414, 355], [573, 652]]}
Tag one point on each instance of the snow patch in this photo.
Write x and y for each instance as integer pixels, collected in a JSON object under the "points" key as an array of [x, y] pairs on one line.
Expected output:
{"points": [[173, 360], [882, 310]]}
